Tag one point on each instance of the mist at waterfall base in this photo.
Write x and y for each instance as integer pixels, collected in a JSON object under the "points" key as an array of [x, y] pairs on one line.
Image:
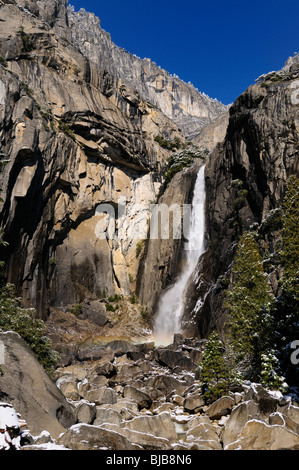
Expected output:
{"points": [[171, 306]]}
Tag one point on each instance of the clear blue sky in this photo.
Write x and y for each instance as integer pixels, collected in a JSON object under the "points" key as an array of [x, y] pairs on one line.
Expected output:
{"points": [[221, 47]]}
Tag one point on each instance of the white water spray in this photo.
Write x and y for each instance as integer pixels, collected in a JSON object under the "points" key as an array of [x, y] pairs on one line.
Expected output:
{"points": [[171, 306]]}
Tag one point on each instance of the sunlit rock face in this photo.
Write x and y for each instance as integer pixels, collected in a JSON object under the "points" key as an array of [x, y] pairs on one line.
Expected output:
{"points": [[76, 135], [181, 102]]}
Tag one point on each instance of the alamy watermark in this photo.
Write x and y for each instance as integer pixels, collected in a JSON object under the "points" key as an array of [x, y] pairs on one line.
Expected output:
{"points": [[295, 354], [139, 221]]}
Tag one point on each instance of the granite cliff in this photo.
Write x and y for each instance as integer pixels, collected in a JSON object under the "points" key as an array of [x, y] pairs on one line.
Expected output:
{"points": [[88, 134], [246, 180], [181, 102]]}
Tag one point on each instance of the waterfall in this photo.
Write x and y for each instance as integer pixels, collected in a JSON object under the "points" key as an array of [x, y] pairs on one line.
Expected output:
{"points": [[171, 305]]}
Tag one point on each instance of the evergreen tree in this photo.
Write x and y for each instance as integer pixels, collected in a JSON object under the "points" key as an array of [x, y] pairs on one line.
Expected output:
{"points": [[215, 374], [287, 304], [290, 240], [250, 302]]}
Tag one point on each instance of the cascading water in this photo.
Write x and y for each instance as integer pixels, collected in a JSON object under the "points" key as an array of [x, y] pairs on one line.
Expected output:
{"points": [[171, 306]]}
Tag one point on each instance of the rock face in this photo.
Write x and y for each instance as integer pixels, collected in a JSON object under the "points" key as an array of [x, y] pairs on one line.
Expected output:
{"points": [[79, 140], [26, 385], [179, 101], [163, 258], [259, 153]]}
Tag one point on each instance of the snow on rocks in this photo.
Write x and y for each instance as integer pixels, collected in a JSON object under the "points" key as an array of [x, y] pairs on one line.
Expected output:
{"points": [[124, 404]]}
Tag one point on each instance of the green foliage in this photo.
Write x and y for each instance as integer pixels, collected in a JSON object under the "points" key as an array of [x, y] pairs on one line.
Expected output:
{"points": [[63, 127], [180, 160], [22, 321], [250, 305], [139, 247], [114, 298], [174, 144], [77, 310], [249, 301], [143, 313], [217, 373], [133, 299], [26, 40], [269, 377], [290, 239], [110, 308]]}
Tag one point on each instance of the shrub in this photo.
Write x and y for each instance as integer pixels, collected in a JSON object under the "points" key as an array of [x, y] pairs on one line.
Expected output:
{"points": [[77, 310], [180, 160], [174, 144], [32, 330]]}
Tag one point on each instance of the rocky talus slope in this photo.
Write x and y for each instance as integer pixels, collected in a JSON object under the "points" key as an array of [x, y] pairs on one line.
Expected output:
{"points": [[125, 396]]}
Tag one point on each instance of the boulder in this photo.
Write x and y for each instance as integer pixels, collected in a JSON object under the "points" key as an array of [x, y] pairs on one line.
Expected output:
{"points": [[239, 417], [107, 415], [267, 401], [101, 395], [94, 353], [258, 435], [167, 384], [95, 311], [85, 412], [88, 437], [31, 391], [194, 402], [69, 389], [145, 440], [220, 407], [172, 359], [204, 434], [159, 425], [283, 420], [107, 369], [142, 399]]}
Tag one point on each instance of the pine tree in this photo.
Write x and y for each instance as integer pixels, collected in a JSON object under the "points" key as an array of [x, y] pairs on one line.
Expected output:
{"points": [[290, 240], [214, 373]]}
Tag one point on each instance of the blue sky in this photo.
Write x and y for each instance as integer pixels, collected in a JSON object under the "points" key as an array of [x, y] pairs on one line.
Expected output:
{"points": [[221, 47]]}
